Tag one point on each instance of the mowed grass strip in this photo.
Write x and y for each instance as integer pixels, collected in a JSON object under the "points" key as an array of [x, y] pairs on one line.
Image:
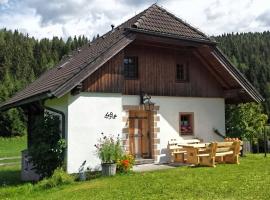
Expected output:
{"points": [[15, 160], [10, 147], [249, 180]]}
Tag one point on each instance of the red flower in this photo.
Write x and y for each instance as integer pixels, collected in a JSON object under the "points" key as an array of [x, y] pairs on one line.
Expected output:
{"points": [[125, 163]]}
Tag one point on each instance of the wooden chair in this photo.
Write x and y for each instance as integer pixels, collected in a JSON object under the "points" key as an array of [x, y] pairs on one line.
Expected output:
{"points": [[176, 152], [228, 152], [234, 157]]}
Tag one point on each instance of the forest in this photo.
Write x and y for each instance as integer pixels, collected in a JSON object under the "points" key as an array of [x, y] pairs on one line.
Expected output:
{"points": [[24, 58]]}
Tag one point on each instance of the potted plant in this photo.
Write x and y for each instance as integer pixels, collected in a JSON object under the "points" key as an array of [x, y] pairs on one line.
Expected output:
{"points": [[109, 151]]}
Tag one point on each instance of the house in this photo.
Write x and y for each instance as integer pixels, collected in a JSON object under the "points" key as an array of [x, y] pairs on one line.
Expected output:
{"points": [[151, 79]]}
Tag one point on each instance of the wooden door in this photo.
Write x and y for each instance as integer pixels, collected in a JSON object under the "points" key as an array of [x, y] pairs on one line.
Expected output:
{"points": [[139, 134]]}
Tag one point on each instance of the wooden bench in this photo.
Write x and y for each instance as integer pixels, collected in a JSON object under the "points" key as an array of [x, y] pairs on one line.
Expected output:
{"points": [[176, 150], [228, 152]]}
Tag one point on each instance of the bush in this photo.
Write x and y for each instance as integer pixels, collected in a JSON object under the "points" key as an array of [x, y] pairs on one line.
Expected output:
{"points": [[59, 177], [47, 148], [125, 164]]}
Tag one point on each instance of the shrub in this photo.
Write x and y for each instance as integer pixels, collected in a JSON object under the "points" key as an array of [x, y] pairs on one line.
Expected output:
{"points": [[47, 148], [126, 163], [59, 177], [109, 149]]}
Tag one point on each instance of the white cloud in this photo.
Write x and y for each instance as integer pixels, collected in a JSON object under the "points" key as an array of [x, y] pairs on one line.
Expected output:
{"points": [[264, 18], [215, 17], [3, 1], [77, 17]]}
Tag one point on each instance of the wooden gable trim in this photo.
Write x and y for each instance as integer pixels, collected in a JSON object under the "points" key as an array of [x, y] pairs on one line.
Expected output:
{"points": [[242, 81], [172, 36], [148, 38]]}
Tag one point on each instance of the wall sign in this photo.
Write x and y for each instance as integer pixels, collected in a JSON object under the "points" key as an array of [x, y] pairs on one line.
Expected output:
{"points": [[110, 115]]}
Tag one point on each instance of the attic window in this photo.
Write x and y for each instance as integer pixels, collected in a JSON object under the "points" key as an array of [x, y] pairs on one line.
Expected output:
{"points": [[131, 67], [182, 72]]}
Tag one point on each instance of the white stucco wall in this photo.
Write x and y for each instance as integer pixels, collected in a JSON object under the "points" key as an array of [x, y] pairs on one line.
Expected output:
{"points": [[86, 122], [209, 113]]}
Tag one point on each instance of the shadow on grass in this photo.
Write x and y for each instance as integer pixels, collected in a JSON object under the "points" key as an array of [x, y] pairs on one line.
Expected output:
{"points": [[93, 175], [10, 175]]}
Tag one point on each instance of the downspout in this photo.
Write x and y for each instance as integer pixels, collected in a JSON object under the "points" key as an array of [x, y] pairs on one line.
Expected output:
{"points": [[63, 131], [63, 134]]}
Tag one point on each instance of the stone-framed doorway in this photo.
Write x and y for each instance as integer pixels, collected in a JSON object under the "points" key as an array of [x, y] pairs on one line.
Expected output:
{"points": [[154, 130]]}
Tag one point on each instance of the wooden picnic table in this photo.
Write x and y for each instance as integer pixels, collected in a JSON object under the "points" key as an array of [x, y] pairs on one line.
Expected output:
{"points": [[176, 150], [192, 151]]}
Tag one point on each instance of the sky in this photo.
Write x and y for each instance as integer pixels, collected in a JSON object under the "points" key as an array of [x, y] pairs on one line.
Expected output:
{"points": [[64, 18]]}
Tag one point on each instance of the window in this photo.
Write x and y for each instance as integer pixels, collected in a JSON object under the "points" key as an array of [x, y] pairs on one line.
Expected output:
{"points": [[131, 67], [182, 72], [186, 123]]}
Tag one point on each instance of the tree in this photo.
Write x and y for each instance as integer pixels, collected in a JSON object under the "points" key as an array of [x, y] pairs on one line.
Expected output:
{"points": [[47, 148], [245, 121]]}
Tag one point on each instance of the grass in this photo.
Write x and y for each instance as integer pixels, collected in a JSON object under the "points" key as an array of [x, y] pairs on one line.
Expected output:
{"points": [[249, 180], [10, 147], [9, 176]]}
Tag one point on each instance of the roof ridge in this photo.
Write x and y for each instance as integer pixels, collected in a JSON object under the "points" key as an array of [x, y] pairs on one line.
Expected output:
{"points": [[145, 12], [182, 21]]}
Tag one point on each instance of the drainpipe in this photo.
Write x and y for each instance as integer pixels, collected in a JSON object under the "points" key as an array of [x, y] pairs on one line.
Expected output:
{"points": [[63, 134]]}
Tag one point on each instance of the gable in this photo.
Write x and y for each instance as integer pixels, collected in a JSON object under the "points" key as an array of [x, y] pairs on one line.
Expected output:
{"points": [[157, 74]]}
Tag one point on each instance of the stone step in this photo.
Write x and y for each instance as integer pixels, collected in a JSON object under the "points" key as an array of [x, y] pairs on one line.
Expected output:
{"points": [[142, 161]]}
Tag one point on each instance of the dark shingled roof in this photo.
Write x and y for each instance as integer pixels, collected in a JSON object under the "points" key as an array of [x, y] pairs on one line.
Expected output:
{"points": [[80, 64], [157, 19]]}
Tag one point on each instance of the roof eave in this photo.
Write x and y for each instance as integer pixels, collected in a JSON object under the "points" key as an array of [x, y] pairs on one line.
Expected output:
{"points": [[154, 33], [255, 95], [31, 99]]}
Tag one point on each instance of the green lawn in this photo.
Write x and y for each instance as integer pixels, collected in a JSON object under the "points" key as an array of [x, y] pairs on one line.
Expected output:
{"points": [[12, 146], [249, 180]]}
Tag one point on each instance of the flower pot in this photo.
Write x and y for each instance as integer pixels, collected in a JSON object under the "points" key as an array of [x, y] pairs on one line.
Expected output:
{"points": [[108, 169]]}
